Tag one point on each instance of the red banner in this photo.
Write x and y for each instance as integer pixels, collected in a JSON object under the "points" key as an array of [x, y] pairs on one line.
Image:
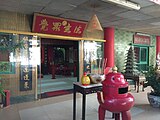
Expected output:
{"points": [[57, 26], [139, 39]]}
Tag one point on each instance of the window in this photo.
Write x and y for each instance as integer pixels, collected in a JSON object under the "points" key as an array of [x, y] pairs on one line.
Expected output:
{"points": [[142, 57], [93, 54], [7, 53]]}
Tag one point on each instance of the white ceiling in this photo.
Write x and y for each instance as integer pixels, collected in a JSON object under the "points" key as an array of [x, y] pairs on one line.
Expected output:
{"points": [[146, 20]]}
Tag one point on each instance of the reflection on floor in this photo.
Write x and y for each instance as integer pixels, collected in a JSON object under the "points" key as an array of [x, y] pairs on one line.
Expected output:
{"points": [[22, 99], [61, 108], [46, 86]]}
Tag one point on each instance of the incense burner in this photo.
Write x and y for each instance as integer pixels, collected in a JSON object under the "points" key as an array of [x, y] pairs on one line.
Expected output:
{"points": [[96, 78]]}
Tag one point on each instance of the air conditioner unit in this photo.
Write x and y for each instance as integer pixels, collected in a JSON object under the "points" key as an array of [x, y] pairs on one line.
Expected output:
{"points": [[125, 3]]}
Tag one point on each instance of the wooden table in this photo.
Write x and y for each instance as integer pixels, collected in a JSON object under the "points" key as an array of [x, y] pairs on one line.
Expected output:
{"points": [[84, 90], [139, 80]]}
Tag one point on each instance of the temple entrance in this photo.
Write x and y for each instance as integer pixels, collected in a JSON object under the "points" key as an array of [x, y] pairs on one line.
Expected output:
{"points": [[58, 68]]}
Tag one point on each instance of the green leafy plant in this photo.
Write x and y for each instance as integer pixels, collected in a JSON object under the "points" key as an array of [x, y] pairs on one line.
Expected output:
{"points": [[153, 80], [10, 45], [1, 88]]}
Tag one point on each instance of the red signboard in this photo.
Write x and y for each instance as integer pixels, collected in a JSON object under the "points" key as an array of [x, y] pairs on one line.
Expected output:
{"points": [[57, 26], [139, 39]]}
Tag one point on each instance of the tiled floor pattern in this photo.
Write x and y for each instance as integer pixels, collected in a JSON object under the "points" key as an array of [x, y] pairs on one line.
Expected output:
{"points": [[47, 84], [60, 108], [55, 112]]}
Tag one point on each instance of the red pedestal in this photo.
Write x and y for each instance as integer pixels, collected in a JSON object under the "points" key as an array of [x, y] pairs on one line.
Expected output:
{"points": [[157, 45], [6, 98], [115, 97]]}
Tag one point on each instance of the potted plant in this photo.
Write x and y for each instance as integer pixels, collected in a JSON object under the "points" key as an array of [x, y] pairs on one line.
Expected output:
{"points": [[153, 80], [1, 93]]}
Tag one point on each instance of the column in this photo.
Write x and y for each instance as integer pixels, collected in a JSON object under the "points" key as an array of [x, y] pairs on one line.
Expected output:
{"points": [[157, 45], [109, 46]]}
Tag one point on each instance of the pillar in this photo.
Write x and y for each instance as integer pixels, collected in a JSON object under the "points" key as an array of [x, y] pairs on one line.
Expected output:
{"points": [[53, 71], [157, 45], [109, 46]]}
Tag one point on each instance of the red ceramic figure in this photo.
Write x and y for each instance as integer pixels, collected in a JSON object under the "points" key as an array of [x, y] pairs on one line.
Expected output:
{"points": [[115, 97], [85, 80]]}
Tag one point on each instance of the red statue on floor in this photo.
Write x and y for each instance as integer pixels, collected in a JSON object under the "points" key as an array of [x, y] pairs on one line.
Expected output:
{"points": [[115, 97]]}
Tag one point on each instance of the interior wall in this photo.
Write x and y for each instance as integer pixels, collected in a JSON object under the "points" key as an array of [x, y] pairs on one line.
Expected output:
{"points": [[11, 81], [15, 21], [122, 41]]}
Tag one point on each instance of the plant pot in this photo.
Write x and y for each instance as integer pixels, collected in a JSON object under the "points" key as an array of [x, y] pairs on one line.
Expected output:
{"points": [[154, 100]]}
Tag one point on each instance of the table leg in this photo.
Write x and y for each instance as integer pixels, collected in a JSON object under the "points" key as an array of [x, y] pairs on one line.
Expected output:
{"points": [[74, 105], [117, 116], [137, 86], [83, 107], [142, 85]]}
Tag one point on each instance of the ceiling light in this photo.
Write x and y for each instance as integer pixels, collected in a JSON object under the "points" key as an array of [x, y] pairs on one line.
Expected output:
{"points": [[125, 3], [143, 34], [155, 1]]}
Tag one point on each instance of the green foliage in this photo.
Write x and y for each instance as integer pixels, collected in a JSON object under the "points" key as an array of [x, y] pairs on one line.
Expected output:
{"points": [[152, 79], [131, 63], [1, 89], [10, 45]]}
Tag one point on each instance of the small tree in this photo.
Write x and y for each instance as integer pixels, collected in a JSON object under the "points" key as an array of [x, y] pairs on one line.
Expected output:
{"points": [[131, 63]]}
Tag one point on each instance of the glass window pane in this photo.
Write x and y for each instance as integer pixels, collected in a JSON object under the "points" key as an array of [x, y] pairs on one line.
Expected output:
{"points": [[137, 53], [93, 54], [143, 55], [143, 67], [7, 53]]}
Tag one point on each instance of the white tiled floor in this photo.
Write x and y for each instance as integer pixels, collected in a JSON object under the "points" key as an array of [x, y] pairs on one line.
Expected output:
{"points": [[60, 108], [46, 84]]}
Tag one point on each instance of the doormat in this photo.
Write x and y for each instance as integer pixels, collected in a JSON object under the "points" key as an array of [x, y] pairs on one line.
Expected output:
{"points": [[56, 93]]}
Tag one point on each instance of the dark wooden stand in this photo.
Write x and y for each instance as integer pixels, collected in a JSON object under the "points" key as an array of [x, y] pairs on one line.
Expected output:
{"points": [[84, 90], [139, 80]]}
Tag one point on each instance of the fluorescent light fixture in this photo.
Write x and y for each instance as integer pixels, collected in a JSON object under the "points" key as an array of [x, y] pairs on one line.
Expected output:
{"points": [[125, 3], [143, 34], [155, 1]]}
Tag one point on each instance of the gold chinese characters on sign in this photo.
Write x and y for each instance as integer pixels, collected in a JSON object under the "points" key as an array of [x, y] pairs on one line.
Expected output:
{"points": [[63, 26], [26, 78], [58, 26]]}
